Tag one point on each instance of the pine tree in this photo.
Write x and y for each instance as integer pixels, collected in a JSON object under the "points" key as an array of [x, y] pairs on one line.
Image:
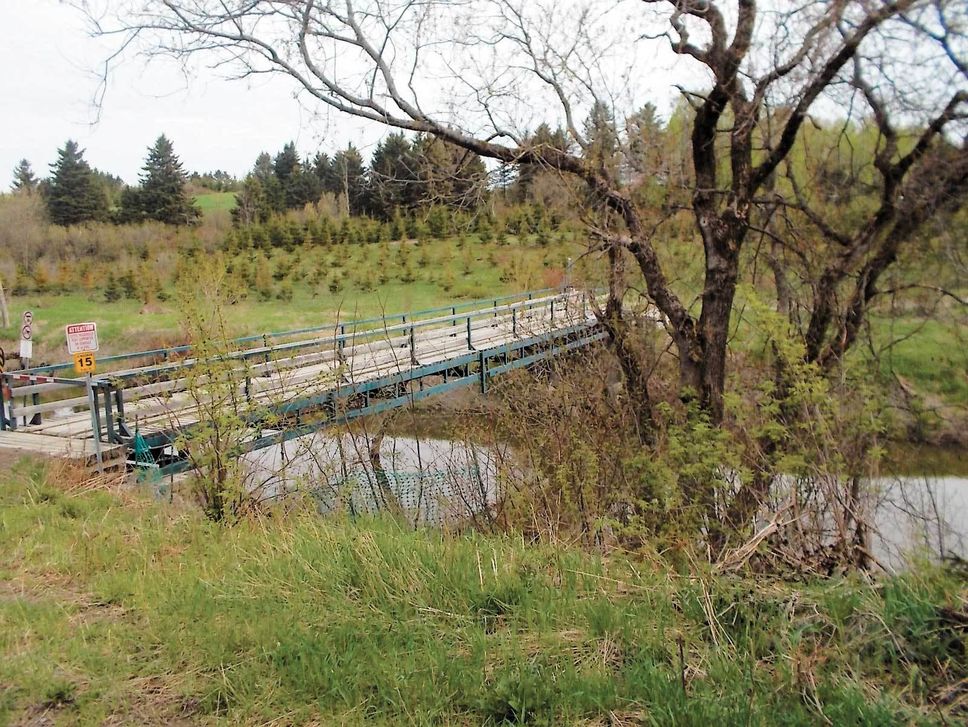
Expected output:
{"points": [[251, 205], [286, 162], [528, 175], [393, 181], [23, 178], [163, 196], [349, 179], [450, 175], [74, 194], [602, 137]]}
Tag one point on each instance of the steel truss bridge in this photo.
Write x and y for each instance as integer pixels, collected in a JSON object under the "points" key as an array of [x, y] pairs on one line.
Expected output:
{"points": [[292, 382]]}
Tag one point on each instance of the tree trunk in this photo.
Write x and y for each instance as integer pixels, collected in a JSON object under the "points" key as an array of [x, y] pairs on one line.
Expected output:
{"points": [[722, 271], [4, 312]]}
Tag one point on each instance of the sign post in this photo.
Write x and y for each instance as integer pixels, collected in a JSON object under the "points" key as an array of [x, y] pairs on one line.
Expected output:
{"points": [[82, 344], [26, 338]]}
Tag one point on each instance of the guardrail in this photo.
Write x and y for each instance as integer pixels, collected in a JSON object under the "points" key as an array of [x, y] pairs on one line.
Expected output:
{"points": [[454, 332], [265, 337]]}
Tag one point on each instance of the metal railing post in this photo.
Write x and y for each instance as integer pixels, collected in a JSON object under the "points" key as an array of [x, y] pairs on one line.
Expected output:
{"points": [[11, 408], [469, 346], [3, 404], [95, 422], [109, 415]]}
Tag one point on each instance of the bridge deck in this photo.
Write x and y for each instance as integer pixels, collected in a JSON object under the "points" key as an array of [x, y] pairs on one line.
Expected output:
{"points": [[169, 397]]}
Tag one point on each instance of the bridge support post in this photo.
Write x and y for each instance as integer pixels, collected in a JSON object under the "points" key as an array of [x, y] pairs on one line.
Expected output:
{"points": [[36, 418], [483, 366], [109, 415], [95, 422], [4, 423]]}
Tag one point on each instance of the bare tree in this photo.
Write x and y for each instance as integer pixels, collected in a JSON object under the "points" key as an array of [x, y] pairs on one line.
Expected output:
{"points": [[377, 59]]}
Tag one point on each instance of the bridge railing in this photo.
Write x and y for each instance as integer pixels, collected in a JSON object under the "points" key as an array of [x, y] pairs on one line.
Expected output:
{"points": [[356, 324], [398, 340]]}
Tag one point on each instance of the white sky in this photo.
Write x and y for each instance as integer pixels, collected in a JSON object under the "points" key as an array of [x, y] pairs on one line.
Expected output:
{"points": [[48, 84], [50, 79]]}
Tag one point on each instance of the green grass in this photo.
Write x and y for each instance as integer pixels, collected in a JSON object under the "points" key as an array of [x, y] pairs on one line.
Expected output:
{"points": [[442, 273], [930, 354], [123, 610], [215, 201]]}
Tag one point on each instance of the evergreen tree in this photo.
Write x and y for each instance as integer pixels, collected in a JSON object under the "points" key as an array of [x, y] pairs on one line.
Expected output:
{"points": [[323, 168], [449, 175], [528, 174], [23, 178], [162, 195], [130, 206], [73, 193], [302, 187], [286, 163], [601, 136], [298, 185], [264, 171], [348, 178], [251, 205], [393, 179]]}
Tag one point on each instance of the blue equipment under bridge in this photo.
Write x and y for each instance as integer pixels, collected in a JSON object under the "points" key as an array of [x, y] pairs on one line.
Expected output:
{"points": [[290, 382]]}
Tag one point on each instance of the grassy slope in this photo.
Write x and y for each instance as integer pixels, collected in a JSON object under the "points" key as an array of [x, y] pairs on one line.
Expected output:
{"points": [[129, 611], [215, 201], [933, 360], [450, 274]]}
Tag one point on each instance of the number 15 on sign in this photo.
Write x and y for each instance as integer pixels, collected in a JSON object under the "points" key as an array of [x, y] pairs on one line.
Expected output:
{"points": [[84, 362]]}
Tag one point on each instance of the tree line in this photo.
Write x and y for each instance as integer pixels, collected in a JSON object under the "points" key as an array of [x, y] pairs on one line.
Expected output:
{"points": [[75, 192], [404, 177]]}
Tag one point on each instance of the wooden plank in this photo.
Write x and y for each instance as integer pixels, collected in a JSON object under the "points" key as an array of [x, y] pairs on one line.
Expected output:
{"points": [[56, 446]]}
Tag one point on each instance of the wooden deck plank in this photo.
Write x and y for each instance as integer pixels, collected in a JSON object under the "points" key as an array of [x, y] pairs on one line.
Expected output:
{"points": [[373, 353]]}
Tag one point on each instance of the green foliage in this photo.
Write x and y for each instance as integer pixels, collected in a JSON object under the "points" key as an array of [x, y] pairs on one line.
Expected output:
{"points": [[24, 180], [131, 611], [74, 194], [162, 195], [216, 385]]}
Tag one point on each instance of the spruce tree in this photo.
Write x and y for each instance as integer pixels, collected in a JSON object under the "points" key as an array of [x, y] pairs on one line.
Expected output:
{"points": [[163, 196], [74, 194], [286, 162], [393, 180], [349, 179], [23, 178], [251, 205]]}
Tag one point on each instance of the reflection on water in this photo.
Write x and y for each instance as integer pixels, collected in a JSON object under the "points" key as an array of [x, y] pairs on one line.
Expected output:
{"points": [[435, 481], [926, 514], [430, 481]]}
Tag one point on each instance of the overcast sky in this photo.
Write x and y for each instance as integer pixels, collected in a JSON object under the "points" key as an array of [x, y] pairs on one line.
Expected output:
{"points": [[49, 82], [50, 79]]}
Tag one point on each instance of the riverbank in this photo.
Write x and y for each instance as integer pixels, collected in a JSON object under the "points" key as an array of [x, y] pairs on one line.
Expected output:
{"points": [[116, 609]]}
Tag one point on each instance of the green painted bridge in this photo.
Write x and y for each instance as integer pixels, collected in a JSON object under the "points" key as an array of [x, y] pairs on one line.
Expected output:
{"points": [[294, 381]]}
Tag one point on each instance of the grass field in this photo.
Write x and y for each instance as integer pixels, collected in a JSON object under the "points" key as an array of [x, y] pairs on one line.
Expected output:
{"points": [[310, 285], [306, 287], [117, 610], [215, 201]]}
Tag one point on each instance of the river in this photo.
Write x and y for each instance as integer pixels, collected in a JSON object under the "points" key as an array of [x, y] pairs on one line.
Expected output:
{"points": [[435, 481]]}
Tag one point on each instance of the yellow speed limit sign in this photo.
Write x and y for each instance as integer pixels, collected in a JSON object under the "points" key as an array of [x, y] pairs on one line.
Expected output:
{"points": [[84, 362]]}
